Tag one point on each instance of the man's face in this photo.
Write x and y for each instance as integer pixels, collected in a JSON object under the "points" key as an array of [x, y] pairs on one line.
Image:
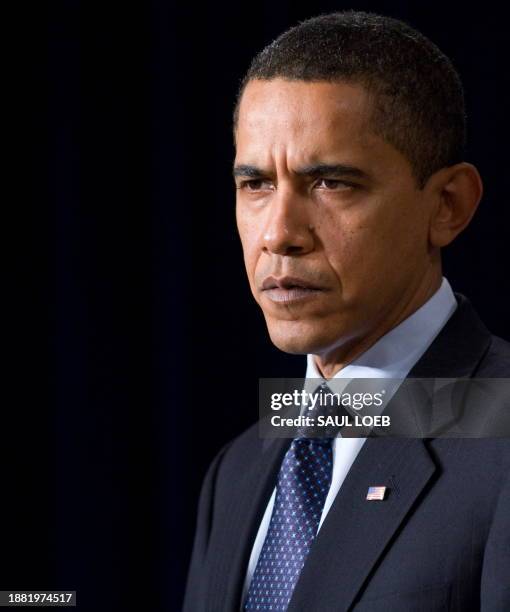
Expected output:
{"points": [[333, 227]]}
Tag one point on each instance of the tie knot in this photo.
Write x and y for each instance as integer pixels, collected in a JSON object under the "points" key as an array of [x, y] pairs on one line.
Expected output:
{"points": [[325, 414]]}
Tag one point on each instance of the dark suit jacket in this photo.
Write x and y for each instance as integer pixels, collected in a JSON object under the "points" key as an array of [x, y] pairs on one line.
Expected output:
{"points": [[441, 541]]}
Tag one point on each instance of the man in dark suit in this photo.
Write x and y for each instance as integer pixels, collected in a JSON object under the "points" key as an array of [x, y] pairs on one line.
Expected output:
{"points": [[350, 179]]}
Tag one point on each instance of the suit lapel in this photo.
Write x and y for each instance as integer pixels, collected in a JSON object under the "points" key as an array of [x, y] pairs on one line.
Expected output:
{"points": [[356, 531]]}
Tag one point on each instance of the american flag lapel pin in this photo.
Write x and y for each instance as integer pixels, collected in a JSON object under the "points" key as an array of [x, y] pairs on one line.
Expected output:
{"points": [[376, 493]]}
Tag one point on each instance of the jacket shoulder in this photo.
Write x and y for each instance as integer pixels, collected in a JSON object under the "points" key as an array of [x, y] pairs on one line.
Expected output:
{"points": [[243, 449], [496, 361]]}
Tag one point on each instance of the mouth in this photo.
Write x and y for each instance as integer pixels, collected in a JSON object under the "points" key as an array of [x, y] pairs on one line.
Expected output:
{"points": [[288, 289]]}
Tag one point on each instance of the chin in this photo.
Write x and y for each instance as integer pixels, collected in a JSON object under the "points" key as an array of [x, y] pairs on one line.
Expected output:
{"points": [[299, 338]]}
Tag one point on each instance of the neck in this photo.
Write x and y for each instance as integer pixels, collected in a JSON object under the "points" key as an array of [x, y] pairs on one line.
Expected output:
{"points": [[331, 361]]}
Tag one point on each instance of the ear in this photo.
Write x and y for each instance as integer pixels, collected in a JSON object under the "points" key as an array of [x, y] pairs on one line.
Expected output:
{"points": [[457, 191]]}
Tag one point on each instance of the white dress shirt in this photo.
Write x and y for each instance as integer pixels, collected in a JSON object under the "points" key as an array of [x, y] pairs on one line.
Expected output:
{"points": [[392, 356]]}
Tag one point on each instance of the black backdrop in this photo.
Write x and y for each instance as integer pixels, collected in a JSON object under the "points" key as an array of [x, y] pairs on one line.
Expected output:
{"points": [[132, 317]]}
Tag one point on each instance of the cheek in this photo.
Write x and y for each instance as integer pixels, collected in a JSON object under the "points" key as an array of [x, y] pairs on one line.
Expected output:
{"points": [[369, 245], [250, 245], [346, 239]]}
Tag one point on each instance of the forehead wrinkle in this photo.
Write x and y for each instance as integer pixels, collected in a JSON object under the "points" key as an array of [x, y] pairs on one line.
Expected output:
{"points": [[282, 156]]}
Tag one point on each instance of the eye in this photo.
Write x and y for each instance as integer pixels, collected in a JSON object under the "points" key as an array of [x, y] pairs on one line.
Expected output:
{"points": [[333, 184], [255, 185]]}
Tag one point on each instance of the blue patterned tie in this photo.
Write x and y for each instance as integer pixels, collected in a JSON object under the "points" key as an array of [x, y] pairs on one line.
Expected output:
{"points": [[303, 484]]}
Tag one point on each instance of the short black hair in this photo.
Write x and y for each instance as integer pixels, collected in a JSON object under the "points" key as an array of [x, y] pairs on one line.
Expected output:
{"points": [[417, 95]]}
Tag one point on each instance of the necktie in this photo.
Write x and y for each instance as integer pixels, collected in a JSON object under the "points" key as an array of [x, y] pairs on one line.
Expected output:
{"points": [[303, 483]]}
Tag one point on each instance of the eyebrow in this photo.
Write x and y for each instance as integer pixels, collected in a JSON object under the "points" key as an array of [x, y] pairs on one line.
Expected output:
{"points": [[312, 170], [247, 170]]}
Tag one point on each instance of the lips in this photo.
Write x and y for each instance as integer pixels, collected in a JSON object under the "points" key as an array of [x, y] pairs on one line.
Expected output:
{"points": [[288, 282], [288, 289]]}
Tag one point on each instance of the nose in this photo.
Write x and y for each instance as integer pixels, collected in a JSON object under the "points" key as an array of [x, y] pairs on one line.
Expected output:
{"points": [[288, 229]]}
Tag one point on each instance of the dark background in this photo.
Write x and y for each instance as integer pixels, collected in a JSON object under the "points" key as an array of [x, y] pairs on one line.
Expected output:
{"points": [[131, 314]]}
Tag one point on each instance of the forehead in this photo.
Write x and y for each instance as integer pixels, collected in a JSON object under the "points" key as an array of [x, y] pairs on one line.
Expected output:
{"points": [[304, 118]]}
